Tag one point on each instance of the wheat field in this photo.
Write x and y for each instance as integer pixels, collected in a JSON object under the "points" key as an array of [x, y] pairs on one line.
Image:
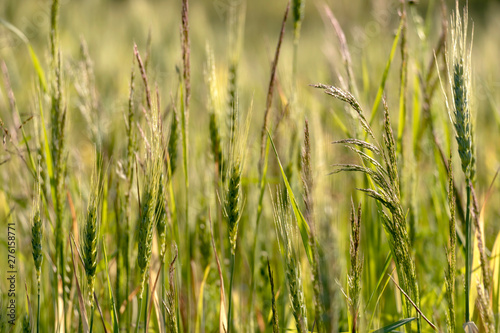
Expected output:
{"points": [[249, 166]]}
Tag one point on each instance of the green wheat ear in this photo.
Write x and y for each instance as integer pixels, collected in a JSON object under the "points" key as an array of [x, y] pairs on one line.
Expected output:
{"points": [[90, 233], [149, 212], [36, 231], [161, 215], [26, 324], [460, 82], [173, 141], [283, 224], [298, 15], [232, 204]]}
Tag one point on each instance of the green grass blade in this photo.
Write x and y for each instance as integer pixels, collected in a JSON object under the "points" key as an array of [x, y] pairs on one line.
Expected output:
{"points": [[114, 314], [380, 91], [38, 68], [48, 155], [34, 58], [303, 226], [388, 261], [199, 309], [395, 325]]}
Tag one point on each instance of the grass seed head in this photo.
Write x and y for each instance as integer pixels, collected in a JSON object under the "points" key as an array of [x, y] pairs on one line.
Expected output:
{"points": [[460, 81], [161, 215], [354, 278], [36, 231], [90, 233], [232, 203], [173, 141], [283, 224], [298, 16]]}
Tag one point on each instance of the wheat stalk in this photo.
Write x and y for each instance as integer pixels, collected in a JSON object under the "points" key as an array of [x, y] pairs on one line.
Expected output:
{"points": [[276, 327], [460, 82], [354, 278], [385, 180], [283, 225], [308, 185], [450, 272], [89, 238], [36, 241]]}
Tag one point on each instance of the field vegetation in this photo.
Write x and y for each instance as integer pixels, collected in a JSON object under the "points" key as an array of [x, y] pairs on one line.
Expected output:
{"points": [[250, 166]]}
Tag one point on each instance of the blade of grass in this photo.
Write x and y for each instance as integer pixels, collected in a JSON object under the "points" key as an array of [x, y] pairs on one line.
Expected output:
{"points": [[83, 311], [381, 87], [395, 325], [153, 296], [34, 58], [378, 299], [100, 313], [413, 303], [222, 311], [48, 155], [386, 267], [199, 311], [303, 226]]}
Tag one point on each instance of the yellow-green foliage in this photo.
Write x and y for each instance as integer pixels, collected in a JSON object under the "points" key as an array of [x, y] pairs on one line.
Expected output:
{"points": [[183, 165]]}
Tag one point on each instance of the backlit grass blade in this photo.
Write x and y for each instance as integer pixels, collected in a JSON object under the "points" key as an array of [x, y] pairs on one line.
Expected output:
{"points": [[34, 58], [303, 226], [380, 91], [48, 155], [393, 326], [199, 308]]}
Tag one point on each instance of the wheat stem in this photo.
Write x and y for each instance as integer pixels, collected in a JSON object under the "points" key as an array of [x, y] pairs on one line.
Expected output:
{"points": [[229, 312], [91, 317]]}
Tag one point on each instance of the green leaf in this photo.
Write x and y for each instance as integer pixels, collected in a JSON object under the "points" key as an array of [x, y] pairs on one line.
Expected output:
{"points": [[301, 221], [386, 73], [38, 68], [48, 155], [34, 58], [199, 308], [395, 325]]}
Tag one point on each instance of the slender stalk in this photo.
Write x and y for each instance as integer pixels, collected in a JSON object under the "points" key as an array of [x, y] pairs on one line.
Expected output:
{"points": [[185, 97], [138, 315], [450, 273], [264, 150], [229, 312], [146, 309], [91, 317], [38, 311], [273, 300], [469, 256], [460, 81], [129, 175]]}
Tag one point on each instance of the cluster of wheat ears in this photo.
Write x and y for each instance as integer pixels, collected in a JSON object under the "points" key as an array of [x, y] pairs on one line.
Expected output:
{"points": [[165, 264]]}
